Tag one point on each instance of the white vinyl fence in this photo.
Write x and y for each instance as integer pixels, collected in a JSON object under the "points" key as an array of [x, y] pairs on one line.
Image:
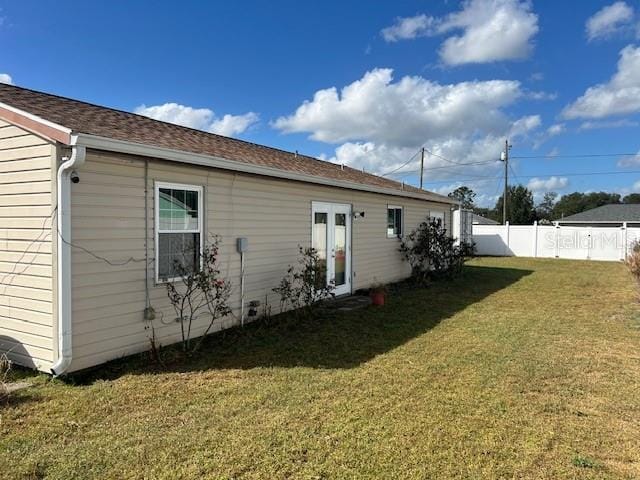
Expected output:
{"points": [[574, 242]]}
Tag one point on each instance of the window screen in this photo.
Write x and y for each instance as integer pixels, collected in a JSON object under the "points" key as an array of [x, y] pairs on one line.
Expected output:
{"points": [[394, 221], [179, 229]]}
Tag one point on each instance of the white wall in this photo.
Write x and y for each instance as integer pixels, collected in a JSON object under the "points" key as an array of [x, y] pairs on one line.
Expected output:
{"points": [[572, 242]]}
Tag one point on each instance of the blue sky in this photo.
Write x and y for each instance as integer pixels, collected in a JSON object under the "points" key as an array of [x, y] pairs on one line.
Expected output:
{"points": [[380, 79]]}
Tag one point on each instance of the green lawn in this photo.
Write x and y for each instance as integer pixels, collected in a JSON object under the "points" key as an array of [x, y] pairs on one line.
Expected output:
{"points": [[521, 369]]}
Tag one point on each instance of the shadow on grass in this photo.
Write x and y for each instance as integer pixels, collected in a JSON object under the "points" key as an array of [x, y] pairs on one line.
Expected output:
{"points": [[333, 341]]}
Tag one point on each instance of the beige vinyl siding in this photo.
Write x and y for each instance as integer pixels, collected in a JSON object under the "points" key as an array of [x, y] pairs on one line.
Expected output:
{"points": [[26, 239], [275, 215]]}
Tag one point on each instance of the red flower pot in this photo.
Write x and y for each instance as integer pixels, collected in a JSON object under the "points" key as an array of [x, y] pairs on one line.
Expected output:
{"points": [[377, 298]]}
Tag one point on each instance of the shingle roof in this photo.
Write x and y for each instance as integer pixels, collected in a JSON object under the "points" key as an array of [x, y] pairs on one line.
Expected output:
{"points": [[86, 118], [607, 213]]}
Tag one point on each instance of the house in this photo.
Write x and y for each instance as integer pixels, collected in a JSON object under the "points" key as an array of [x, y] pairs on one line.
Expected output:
{"points": [[614, 215], [95, 203]]}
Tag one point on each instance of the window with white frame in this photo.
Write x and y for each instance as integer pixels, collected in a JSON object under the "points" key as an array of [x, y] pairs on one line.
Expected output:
{"points": [[178, 221], [394, 221]]}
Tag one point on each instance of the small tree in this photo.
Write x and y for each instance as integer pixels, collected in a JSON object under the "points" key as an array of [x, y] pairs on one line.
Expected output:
{"points": [[306, 284], [465, 196], [520, 207], [199, 292], [544, 210], [633, 261], [432, 253]]}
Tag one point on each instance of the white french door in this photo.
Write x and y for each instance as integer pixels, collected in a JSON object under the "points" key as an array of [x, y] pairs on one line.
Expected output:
{"points": [[331, 237]]}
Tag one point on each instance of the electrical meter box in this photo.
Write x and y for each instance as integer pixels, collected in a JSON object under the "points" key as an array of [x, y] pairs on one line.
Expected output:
{"points": [[242, 244]]}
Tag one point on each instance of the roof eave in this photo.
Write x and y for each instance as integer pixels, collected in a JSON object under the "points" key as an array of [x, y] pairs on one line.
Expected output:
{"points": [[35, 124], [132, 148]]}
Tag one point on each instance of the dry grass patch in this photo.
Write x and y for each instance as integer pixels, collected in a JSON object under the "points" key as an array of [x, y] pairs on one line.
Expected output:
{"points": [[521, 369]]}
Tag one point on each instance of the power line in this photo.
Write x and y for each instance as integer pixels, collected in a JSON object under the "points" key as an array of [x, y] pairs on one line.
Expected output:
{"points": [[403, 165], [587, 155], [448, 167], [458, 164], [441, 157], [581, 174], [513, 172], [470, 180]]}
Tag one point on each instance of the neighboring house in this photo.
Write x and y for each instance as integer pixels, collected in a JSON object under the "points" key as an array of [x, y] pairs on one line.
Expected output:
{"points": [[614, 215], [96, 203]]}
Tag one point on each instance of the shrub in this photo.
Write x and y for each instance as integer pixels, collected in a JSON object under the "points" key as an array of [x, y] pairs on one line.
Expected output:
{"points": [[5, 367], [432, 253], [305, 285], [199, 292], [633, 260]]}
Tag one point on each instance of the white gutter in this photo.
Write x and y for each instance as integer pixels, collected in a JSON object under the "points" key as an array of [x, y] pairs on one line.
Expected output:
{"points": [[64, 255], [131, 148]]}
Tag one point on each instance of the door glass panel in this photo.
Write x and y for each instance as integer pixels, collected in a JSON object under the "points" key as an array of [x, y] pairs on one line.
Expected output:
{"points": [[320, 240], [340, 259]]}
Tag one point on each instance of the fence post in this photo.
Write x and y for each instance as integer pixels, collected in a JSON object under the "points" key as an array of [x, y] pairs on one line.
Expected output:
{"points": [[535, 239], [508, 252], [625, 239], [557, 249]]}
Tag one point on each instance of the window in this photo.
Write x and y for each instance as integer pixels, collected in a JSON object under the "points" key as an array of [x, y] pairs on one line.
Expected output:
{"points": [[178, 218], [394, 221]]}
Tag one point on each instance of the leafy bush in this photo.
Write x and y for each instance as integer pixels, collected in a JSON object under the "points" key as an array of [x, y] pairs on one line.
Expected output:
{"points": [[633, 260], [199, 292], [432, 253], [5, 367], [306, 284]]}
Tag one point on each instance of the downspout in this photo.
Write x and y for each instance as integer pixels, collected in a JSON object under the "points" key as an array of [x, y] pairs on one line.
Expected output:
{"points": [[63, 217]]}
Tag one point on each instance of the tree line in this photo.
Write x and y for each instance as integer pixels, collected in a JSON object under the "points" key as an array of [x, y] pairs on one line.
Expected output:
{"points": [[521, 208]]}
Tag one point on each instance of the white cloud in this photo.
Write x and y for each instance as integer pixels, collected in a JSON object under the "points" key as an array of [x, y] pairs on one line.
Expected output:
{"points": [[546, 185], [540, 95], [556, 129], [6, 78], [379, 124], [619, 96], [406, 112], [636, 186], [231, 125], [491, 31], [552, 131], [372, 157], [199, 118], [554, 152], [406, 28], [479, 155], [629, 161], [608, 124], [609, 20], [485, 189]]}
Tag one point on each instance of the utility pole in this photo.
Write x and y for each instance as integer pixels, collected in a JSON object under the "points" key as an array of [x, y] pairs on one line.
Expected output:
{"points": [[505, 159], [421, 168]]}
